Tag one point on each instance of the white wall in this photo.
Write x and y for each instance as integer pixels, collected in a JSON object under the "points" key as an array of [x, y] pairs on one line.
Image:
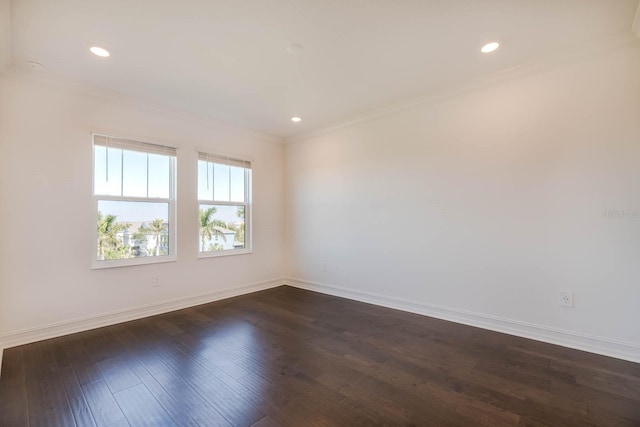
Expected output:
{"points": [[5, 34], [45, 187], [489, 201]]}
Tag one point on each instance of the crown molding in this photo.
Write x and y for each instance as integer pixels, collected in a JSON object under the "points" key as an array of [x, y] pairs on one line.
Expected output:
{"points": [[580, 53], [59, 82], [618, 42]]}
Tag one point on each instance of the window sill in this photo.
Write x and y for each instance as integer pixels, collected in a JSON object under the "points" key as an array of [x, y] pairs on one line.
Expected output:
{"points": [[215, 254], [130, 262]]}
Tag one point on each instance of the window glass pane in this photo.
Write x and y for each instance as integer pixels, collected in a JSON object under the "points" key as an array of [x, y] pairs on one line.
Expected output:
{"points": [[220, 182], [159, 172], [132, 229], [134, 174], [107, 183], [221, 228], [205, 190], [237, 184]]}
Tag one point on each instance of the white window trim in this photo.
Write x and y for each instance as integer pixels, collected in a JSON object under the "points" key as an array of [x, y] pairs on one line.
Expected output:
{"points": [[248, 215], [173, 243]]}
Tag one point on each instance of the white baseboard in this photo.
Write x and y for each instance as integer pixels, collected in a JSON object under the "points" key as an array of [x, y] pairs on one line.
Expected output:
{"points": [[579, 341], [598, 345], [30, 335]]}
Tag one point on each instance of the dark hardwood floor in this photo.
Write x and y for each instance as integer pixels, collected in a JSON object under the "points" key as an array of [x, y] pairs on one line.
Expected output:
{"points": [[288, 357]]}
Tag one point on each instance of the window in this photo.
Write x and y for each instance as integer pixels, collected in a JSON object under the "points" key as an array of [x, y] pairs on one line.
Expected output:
{"points": [[134, 195], [224, 198]]}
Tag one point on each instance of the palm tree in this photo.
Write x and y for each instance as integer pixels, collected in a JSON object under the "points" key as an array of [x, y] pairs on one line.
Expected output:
{"points": [[208, 225], [155, 228], [240, 229], [216, 247], [108, 230]]}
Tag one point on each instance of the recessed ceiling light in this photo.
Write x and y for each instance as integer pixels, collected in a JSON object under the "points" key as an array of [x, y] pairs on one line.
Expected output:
{"points": [[490, 47], [296, 119], [35, 66], [101, 52], [295, 48]]}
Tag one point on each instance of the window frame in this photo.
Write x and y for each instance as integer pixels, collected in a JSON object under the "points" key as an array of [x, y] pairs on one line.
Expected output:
{"points": [[248, 206], [172, 256]]}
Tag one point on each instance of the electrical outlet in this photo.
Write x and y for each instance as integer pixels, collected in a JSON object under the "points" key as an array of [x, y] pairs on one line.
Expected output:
{"points": [[324, 267], [155, 283], [566, 299]]}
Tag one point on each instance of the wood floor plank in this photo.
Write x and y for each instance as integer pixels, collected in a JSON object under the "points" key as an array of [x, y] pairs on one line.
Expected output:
{"points": [[13, 389], [77, 401], [141, 408], [117, 375], [233, 407], [85, 369], [47, 398], [193, 404], [266, 422], [103, 406], [285, 357]]}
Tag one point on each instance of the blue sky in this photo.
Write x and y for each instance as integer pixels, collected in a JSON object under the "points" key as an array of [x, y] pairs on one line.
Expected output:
{"points": [[125, 173]]}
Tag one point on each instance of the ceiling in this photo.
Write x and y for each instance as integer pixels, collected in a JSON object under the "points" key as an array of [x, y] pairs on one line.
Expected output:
{"points": [[228, 59]]}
